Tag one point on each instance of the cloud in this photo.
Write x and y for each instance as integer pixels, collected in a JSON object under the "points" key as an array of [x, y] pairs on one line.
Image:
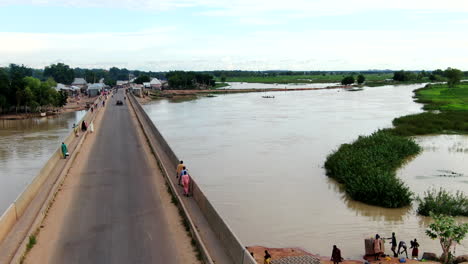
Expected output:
{"points": [[170, 49], [239, 7]]}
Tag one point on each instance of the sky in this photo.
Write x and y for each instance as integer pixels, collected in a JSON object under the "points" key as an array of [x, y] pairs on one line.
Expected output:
{"points": [[163, 35]]}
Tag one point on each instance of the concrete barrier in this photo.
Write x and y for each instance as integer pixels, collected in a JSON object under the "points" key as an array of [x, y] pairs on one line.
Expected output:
{"points": [[23, 200], [7, 221], [231, 244]]}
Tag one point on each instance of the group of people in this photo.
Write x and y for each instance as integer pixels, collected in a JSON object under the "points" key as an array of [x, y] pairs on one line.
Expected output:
{"points": [[402, 248], [183, 177]]}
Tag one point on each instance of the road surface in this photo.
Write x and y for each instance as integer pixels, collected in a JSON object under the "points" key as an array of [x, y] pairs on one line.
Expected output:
{"points": [[116, 215]]}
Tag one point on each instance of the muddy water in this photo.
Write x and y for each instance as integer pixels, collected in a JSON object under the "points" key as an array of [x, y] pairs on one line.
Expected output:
{"points": [[25, 146], [243, 85], [260, 162]]}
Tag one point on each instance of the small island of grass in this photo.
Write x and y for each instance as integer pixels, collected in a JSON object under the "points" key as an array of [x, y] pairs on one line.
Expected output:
{"points": [[367, 167]]}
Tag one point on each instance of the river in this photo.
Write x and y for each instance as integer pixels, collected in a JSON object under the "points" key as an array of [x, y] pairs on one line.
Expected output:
{"points": [[260, 161], [25, 146], [244, 85]]}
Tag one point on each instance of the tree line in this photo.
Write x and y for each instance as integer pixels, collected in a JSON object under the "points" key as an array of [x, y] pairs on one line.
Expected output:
{"points": [[189, 80], [21, 92]]}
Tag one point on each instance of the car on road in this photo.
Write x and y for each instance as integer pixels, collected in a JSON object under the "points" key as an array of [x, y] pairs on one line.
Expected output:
{"points": [[119, 102]]}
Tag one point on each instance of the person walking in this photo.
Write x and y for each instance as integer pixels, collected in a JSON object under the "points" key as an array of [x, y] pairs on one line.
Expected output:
{"points": [[91, 127], [179, 169], [415, 247], [336, 255], [377, 247], [186, 183], [84, 127], [184, 169], [65, 153], [77, 130]]}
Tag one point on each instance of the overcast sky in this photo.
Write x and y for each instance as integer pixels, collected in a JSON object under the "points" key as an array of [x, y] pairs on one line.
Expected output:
{"points": [[162, 35]]}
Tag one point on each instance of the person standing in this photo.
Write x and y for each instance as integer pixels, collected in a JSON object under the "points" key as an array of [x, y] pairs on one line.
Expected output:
{"points": [[415, 247], [91, 127], [65, 150], [377, 247], [394, 245], [186, 182], [336, 255], [267, 258]]}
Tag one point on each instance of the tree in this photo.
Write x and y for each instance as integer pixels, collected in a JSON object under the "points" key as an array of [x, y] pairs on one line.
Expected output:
{"points": [[223, 78], [142, 79], [361, 79], [448, 232], [453, 76], [347, 80], [404, 76], [110, 82], [60, 72], [90, 76]]}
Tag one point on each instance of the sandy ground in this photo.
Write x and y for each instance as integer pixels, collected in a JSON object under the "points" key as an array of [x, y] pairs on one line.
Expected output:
{"points": [[278, 253], [48, 236]]}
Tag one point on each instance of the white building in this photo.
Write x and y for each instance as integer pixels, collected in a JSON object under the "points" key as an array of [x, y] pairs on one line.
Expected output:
{"points": [[155, 84]]}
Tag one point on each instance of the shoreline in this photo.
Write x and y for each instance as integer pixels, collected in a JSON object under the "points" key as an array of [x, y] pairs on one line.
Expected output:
{"points": [[72, 105], [282, 253]]}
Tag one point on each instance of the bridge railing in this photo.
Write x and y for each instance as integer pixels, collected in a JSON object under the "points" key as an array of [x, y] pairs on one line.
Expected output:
{"points": [[231, 244]]}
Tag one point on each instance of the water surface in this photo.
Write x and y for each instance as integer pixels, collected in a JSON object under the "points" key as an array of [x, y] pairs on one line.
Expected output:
{"points": [[25, 146], [244, 85], [260, 161]]}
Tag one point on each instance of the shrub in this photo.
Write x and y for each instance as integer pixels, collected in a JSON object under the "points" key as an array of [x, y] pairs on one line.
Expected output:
{"points": [[367, 168], [443, 202]]}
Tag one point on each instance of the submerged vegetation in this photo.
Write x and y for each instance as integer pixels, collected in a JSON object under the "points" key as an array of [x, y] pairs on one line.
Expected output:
{"points": [[443, 202], [367, 168]]}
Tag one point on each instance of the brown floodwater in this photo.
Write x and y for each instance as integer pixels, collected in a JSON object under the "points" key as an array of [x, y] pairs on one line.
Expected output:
{"points": [[25, 146], [260, 161]]}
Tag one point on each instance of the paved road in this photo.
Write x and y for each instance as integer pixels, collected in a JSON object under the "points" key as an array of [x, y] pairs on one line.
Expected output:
{"points": [[118, 217]]}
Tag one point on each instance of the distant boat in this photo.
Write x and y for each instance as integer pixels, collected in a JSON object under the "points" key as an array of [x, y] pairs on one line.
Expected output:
{"points": [[43, 114], [268, 96], [354, 89]]}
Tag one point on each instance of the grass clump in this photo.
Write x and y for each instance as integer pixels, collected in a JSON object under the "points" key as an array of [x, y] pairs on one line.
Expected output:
{"points": [[443, 202], [367, 168], [432, 123], [31, 243], [443, 98]]}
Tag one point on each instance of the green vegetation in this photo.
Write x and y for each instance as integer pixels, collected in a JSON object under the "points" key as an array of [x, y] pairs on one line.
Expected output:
{"points": [[32, 241], [189, 80], [347, 80], [448, 231], [142, 79], [367, 168], [367, 163], [431, 123], [60, 72], [443, 202], [361, 79], [20, 92], [301, 78], [444, 98], [452, 115], [220, 85]]}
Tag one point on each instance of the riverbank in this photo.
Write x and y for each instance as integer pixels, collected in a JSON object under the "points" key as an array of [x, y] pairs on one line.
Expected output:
{"points": [[73, 105], [296, 255]]}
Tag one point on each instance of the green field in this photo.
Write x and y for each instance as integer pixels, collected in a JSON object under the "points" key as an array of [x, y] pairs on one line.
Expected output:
{"points": [[441, 97], [304, 78]]}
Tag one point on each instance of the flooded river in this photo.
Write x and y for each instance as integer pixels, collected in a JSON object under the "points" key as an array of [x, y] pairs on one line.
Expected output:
{"points": [[25, 146], [243, 85], [260, 161]]}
